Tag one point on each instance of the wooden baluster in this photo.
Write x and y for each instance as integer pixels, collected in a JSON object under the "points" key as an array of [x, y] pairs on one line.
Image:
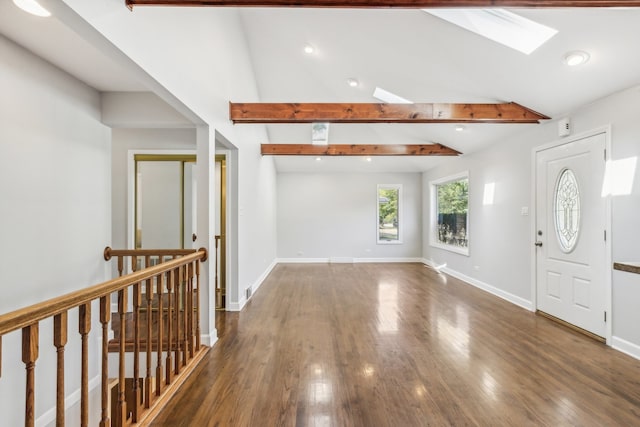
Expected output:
{"points": [[105, 317], [185, 314], [120, 265], [197, 305], [190, 308], [29, 357], [137, 297], [176, 303], [148, 392], [84, 328], [120, 418], [169, 375], [160, 333], [59, 341]]}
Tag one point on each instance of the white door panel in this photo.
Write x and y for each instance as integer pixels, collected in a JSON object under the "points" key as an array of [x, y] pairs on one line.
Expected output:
{"points": [[570, 224]]}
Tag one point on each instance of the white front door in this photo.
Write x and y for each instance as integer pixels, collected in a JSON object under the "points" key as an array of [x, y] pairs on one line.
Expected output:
{"points": [[570, 233]]}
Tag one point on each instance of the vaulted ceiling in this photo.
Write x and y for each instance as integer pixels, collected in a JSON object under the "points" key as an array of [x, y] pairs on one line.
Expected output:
{"points": [[406, 51]]}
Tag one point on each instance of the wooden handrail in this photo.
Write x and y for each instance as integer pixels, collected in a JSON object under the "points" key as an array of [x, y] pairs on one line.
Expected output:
{"points": [[109, 253], [35, 313], [133, 397]]}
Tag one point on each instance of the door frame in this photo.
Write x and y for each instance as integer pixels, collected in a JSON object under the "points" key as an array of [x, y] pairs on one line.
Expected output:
{"points": [[608, 271], [131, 186]]}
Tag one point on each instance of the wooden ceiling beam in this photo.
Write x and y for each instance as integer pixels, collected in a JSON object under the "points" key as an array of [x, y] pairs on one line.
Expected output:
{"points": [[357, 150], [382, 113], [399, 4]]}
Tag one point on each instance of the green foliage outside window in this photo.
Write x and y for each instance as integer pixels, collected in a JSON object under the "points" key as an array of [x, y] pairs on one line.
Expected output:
{"points": [[452, 209], [388, 214]]}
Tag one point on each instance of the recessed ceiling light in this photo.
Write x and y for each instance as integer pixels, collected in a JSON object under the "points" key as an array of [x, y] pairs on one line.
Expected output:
{"points": [[308, 49], [499, 25], [368, 159], [32, 7], [575, 58], [460, 128], [388, 97], [318, 159], [352, 82]]}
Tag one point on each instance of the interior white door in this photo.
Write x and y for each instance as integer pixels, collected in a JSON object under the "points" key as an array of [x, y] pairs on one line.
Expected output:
{"points": [[570, 226]]}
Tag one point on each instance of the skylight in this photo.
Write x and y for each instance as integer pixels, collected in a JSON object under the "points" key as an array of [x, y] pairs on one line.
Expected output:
{"points": [[388, 97], [499, 25]]}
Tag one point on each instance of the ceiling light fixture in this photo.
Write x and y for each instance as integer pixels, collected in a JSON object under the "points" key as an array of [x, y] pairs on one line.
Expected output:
{"points": [[318, 159], [576, 57], [352, 82], [32, 7], [388, 97], [460, 128], [368, 159], [499, 25], [308, 49]]}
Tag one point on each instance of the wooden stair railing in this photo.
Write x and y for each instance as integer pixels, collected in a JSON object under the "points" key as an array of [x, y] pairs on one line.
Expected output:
{"points": [[176, 274]]}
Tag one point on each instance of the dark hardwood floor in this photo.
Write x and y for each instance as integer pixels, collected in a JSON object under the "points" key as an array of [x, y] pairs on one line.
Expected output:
{"points": [[399, 345]]}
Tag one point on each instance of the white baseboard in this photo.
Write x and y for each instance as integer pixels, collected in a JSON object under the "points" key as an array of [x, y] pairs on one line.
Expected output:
{"points": [[237, 306], [208, 340], [626, 347], [302, 260], [49, 417], [514, 299], [344, 260], [387, 260], [263, 277]]}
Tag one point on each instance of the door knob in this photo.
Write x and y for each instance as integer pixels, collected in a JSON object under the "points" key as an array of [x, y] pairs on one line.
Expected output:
{"points": [[538, 244]]}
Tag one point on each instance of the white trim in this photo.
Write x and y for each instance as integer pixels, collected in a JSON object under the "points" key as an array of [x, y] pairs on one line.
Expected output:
{"points": [[351, 260], [387, 260], [513, 299], [608, 263], [626, 347], [263, 277], [69, 401], [237, 306], [432, 213], [205, 339], [131, 182], [302, 260]]}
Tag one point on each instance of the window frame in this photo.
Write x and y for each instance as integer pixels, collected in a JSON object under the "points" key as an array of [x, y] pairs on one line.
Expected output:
{"points": [[400, 226], [433, 186]]}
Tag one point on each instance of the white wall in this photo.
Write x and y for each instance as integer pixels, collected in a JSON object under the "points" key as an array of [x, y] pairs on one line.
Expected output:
{"points": [[124, 140], [501, 238], [55, 208], [334, 215], [210, 45]]}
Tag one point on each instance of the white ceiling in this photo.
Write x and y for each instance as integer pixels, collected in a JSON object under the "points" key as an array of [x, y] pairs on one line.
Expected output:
{"points": [[407, 52], [55, 42], [422, 58]]}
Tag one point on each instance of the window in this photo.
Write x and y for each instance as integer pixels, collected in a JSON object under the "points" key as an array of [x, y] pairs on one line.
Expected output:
{"points": [[450, 213], [389, 213]]}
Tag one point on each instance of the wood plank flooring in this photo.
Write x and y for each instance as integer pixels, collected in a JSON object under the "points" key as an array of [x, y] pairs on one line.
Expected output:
{"points": [[399, 345]]}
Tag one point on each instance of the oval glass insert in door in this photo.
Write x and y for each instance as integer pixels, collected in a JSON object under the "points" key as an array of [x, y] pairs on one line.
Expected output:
{"points": [[567, 210]]}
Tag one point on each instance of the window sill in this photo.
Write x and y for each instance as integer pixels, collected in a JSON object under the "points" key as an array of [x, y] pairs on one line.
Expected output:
{"points": [[451, 248]]}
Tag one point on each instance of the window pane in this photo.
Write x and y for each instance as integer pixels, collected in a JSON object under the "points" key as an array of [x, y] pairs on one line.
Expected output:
{"points": [[452, 208], [388, 214], [567, 210]]}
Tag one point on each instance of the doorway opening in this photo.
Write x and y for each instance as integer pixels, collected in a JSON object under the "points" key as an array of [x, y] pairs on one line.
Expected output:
{"points": [[221, 231]]}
